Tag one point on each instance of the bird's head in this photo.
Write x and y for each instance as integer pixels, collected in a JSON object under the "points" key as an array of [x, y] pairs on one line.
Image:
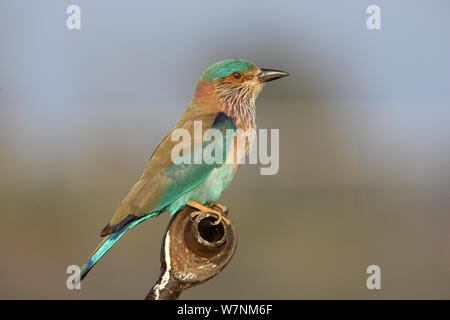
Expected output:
{"points": [[234, 85]]}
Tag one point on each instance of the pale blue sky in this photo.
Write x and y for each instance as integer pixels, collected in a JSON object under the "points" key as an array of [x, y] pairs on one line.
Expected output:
{"points": [[126, 76], [132, 51]]}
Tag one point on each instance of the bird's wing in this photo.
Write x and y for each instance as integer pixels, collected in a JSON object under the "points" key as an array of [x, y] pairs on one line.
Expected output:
{"points": [[163, 181]]}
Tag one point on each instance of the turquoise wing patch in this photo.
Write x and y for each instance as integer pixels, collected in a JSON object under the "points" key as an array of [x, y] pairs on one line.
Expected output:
{"points": [[184, 177]]}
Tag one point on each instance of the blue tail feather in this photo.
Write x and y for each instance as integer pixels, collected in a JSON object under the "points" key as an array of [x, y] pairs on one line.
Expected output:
{"points": [[105, 245]]}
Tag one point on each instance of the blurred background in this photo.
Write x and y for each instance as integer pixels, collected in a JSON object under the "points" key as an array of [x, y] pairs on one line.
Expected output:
{"points": [[364, 124]]}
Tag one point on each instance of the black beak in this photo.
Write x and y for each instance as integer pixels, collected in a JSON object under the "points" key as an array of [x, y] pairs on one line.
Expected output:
{"points": [[270, 75]]}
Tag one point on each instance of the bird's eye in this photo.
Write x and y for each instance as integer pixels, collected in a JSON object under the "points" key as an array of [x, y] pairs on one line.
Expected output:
{"points": [[237, 75]]}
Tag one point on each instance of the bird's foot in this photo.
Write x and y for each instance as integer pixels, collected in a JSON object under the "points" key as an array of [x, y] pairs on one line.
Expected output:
{"points": [[221, 215], [221, 218], [219, 206]]}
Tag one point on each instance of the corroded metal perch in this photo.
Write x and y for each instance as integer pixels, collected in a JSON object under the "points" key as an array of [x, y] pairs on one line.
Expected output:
{"points": [[193, 250]]}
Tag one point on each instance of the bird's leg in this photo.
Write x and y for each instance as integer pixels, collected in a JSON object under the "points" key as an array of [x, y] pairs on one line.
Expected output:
{"points": [[224, 211], [202, 208], [196, 213], [220, 207], [220, 218]]}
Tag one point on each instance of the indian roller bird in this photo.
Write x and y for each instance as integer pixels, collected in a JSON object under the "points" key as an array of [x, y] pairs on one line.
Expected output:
{"points": [[225, 101]]}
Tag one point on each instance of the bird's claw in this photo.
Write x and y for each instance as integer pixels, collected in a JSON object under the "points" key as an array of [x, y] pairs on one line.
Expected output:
{"points": [[194, 214], [220, 214], [221, 218], [220, 207]]}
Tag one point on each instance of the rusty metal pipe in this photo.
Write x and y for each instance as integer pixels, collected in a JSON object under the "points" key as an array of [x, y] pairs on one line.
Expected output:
{"points": [[193, 251]]}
